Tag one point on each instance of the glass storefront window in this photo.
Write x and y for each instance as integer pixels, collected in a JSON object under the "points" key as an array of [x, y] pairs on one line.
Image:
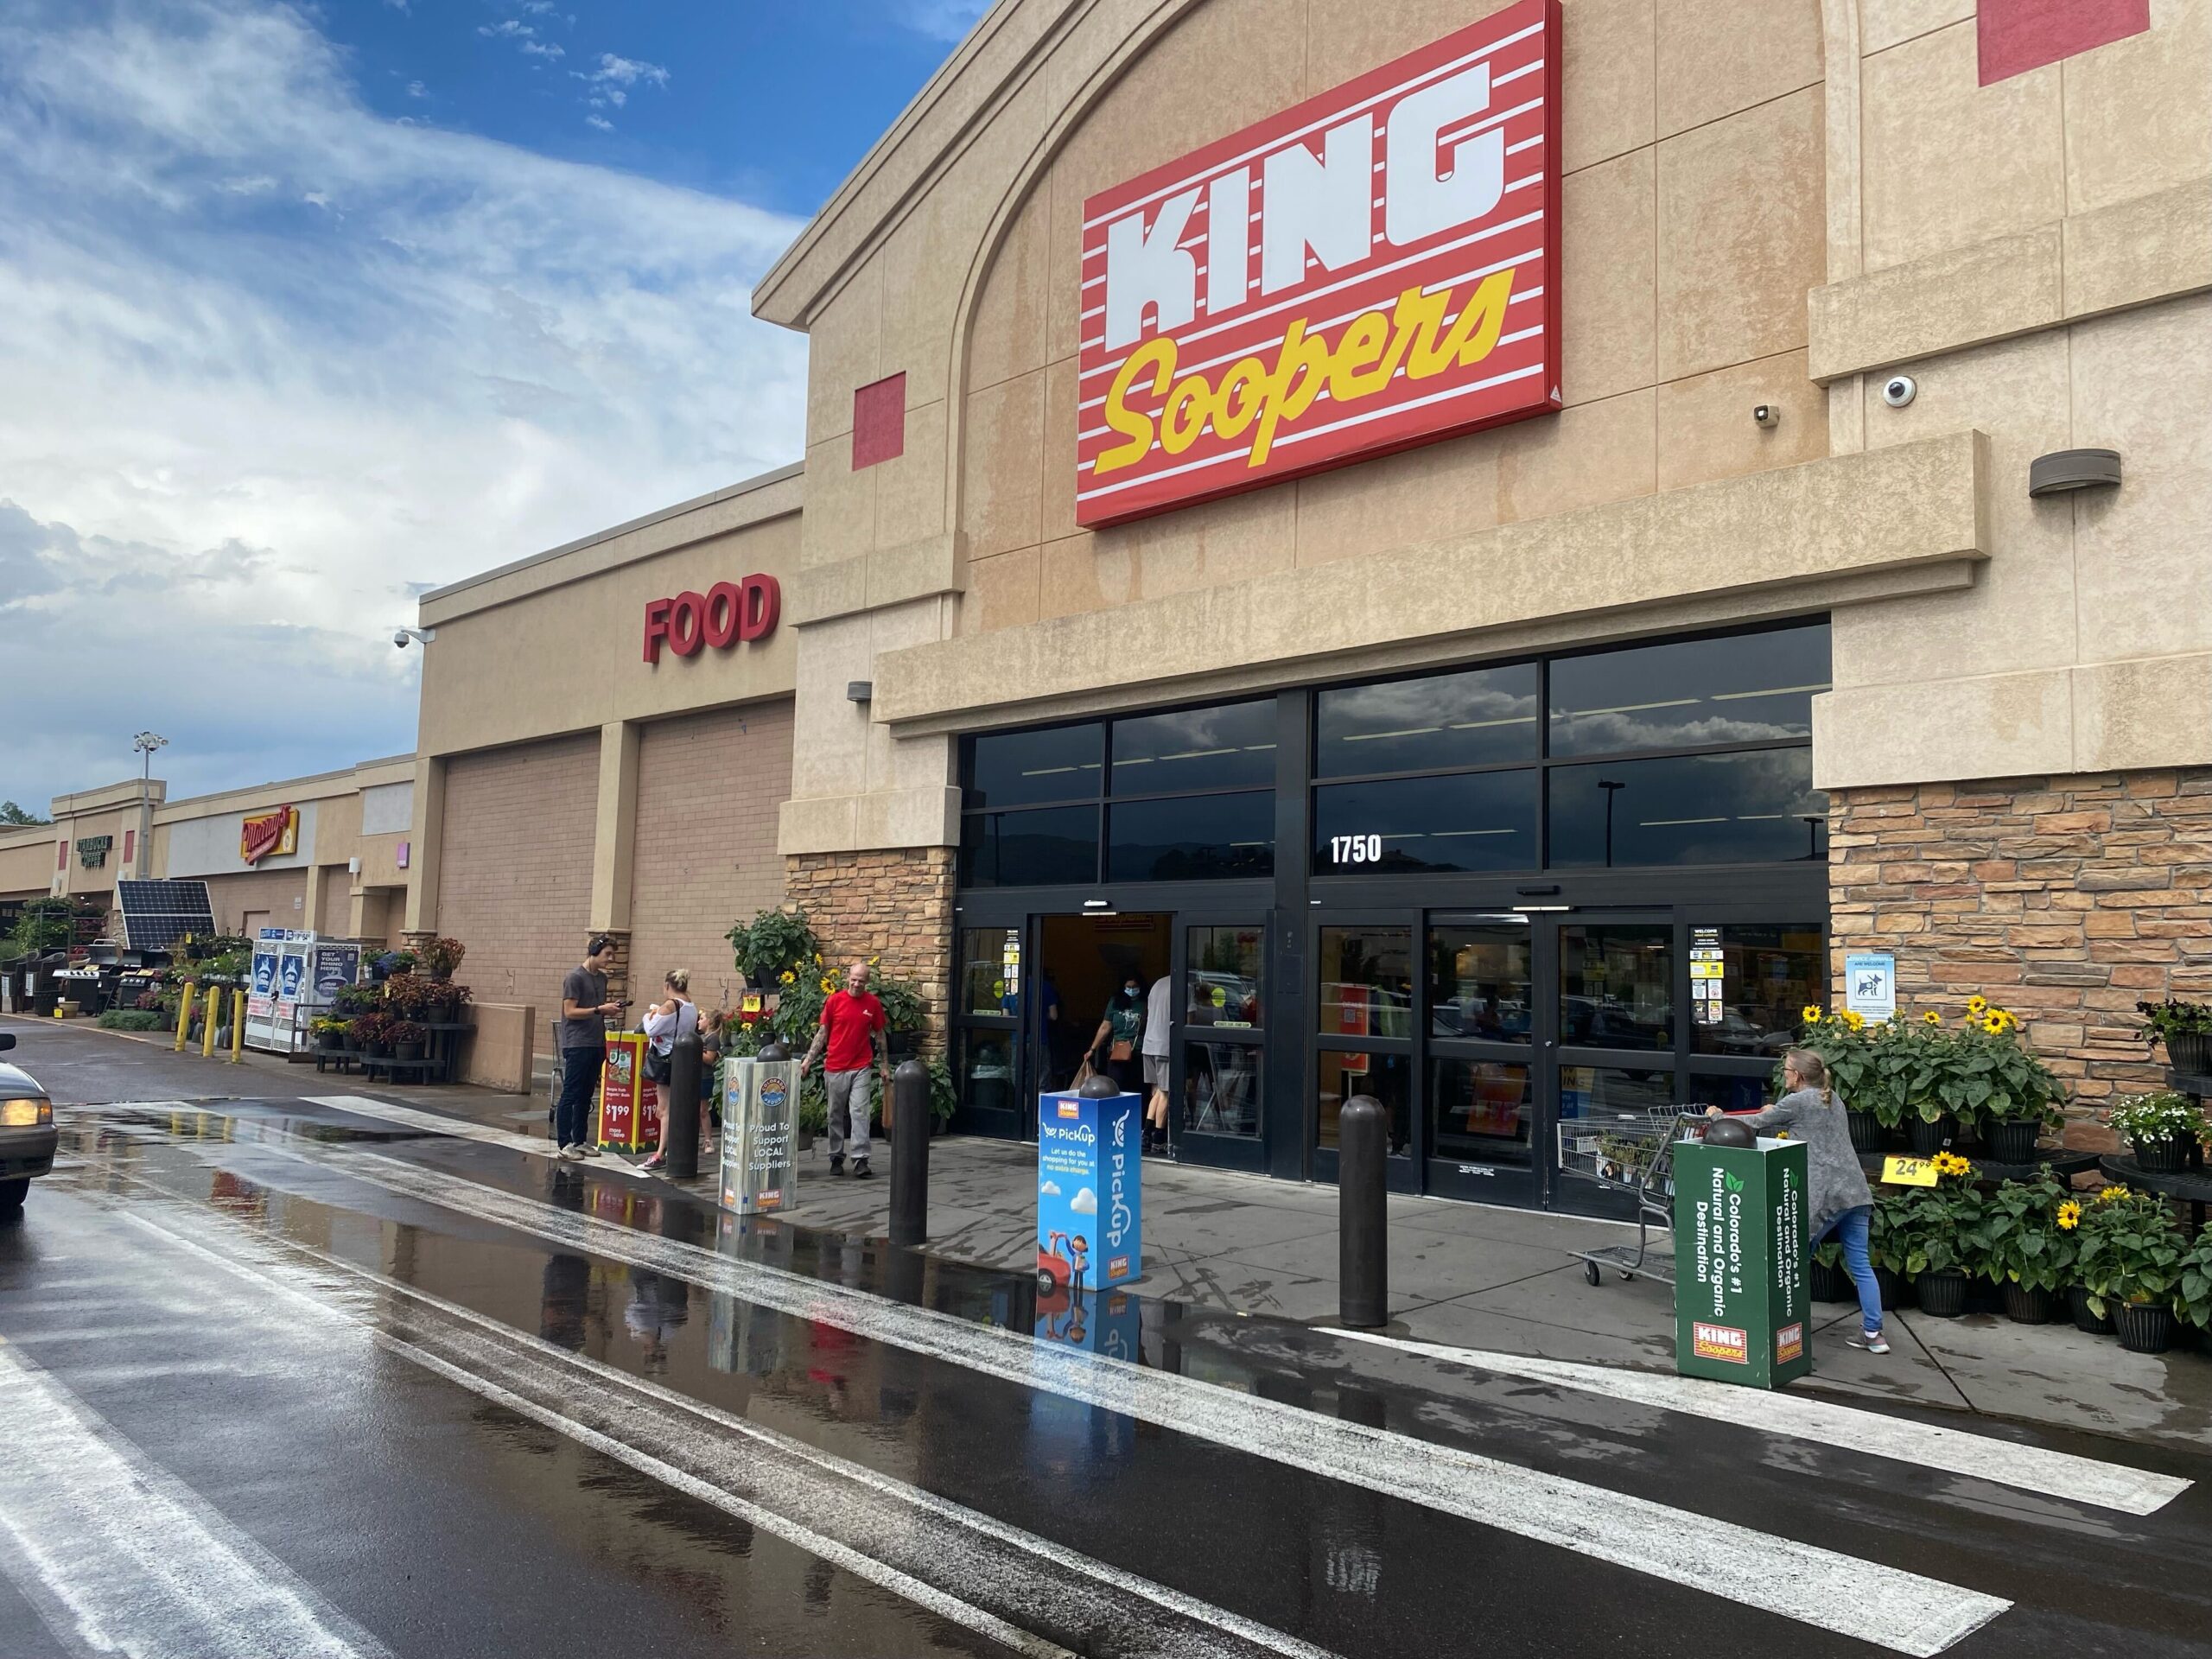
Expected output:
{"points": [[1062, 763], [1759, 808], [1367, 982], [1750, 985], [1221, 1088], [991, 971], [1479, 980], [984, 1069], [1477, 718], [1225, 967], [1227, 747], [1729, 1094], [1388, 1078], [1480, 1111], [1590, 1091], [1616, 985], [1191, 838], [1477, 821], [1751, 688], [1043, 847]]}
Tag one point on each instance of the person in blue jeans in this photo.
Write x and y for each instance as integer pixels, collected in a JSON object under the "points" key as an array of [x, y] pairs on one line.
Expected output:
{"points": [[1840, 1203]]}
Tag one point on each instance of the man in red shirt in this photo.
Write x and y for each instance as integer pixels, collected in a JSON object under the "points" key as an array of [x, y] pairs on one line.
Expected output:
{"points": [[852, 1032]]}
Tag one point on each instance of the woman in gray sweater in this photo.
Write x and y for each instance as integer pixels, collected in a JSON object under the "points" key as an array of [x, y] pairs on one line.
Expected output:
{"points": [[1841, 1201]]}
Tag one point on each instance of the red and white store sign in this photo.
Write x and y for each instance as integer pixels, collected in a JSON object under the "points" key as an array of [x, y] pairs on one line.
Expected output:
{"points": [[728, 613], [1374, 268]]}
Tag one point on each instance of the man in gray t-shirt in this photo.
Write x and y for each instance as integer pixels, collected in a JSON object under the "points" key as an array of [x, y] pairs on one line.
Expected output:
{"points": [[581, 1035]]}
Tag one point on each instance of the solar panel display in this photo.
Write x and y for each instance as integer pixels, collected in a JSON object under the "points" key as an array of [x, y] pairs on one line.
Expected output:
{"points": [[157, 914]]}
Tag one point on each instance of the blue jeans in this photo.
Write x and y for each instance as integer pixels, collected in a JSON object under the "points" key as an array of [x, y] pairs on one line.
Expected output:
{"points": [[1851, 1228], [579, 1081]]}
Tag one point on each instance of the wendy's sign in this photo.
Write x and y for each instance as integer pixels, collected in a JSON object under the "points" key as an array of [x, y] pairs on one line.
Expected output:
{"points": [[727, 614], [1374, 268]]}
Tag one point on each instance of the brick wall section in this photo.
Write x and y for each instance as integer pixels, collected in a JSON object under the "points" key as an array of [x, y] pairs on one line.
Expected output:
{"points": [[515, 876], [895, 905], [231, 897], [704, 858], [2067, 900]]}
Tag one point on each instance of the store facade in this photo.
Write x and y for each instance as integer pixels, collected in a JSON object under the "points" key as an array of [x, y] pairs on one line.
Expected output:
{"points": [[1592, 582]]}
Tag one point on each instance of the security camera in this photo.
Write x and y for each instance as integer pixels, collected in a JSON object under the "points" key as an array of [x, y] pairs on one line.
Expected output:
{"points": [[1766, 414], [1899, 390], [400, 638]]}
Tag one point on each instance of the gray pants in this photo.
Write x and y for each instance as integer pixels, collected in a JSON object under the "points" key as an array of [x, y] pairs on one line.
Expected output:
{"points": [[848, 1097]]}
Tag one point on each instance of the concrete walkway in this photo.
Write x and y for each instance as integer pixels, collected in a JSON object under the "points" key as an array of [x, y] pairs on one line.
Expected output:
{"points": [[1222, 1246]]}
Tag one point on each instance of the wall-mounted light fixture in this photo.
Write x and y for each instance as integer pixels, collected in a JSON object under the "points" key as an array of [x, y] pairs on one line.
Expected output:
{"points": [[2063, 471], [861, 691]]}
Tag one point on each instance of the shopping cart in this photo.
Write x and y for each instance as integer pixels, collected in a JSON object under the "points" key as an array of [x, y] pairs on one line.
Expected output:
{"points": [[1633, 1152]]}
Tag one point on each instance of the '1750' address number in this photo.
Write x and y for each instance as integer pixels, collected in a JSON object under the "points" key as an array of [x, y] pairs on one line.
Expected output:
{"points": [[1355, 849]]}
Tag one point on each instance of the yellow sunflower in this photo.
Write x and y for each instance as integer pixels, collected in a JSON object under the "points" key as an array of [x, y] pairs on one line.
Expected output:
{"points": [[1976, 1007], [1932, 1017], [1810, 1013], [1994, 1025], [789, 977], [2069, 1216], [2107, 1194], [1949, 1163], [2005, 1021], [1854, 1020]]}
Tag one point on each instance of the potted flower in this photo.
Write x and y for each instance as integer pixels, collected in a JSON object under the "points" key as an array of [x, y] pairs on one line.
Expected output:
{"points": [[1933, 1236], [2027, 1249], [372, 1034], [408, 997], [439, 957], [2072, 1214], [407, 1039], [2193, 1294], [2163, 1126], [2186, 1030], [1980, 1068], [329, 1031], [1853, 1052], [2130, 1264]]}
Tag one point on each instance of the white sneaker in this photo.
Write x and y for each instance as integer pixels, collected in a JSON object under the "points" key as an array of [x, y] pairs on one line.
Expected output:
{"points": [[585, 1149], [574, 1154], [1872, 1341]]}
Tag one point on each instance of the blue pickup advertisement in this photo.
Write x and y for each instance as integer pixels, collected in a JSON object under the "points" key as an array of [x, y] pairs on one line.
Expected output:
{"points": [[1088, 1196]]}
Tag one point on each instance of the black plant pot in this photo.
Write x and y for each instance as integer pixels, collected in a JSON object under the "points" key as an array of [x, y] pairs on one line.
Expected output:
{"points": [[378, 1051], [330, 1040], [1891, 1286], [2167, 1157], [1866, 1132], [2190, 1052], [1928, 1139], [1983, 1297], [1832, 1284], [2077, 1303], [2145, 1327], [2026, 1306], [1943, 1293], [2012, 1143], [407, 1051]]}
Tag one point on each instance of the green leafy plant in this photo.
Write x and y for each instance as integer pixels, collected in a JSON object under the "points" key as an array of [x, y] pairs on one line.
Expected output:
{"points": [[355, 999], [438, 957], [2163, 1020], [129, 1020], [325, 1025], [2193, 1290], [371, 1030], [2131, 1249], [945, 1093], [2020, 1239], [406, 1031], [1830, 1254], [2162, 1115], [1932, 1228], [409, 996], [43, 924], [773, 943], [904, 1008]]}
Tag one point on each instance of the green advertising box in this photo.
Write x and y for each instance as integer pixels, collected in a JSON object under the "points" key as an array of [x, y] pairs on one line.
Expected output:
{"points": [[1740, 1287]]}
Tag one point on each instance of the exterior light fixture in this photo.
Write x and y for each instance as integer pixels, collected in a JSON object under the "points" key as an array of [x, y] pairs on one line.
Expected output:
{"points": [[2063, 471], [861, 691]]}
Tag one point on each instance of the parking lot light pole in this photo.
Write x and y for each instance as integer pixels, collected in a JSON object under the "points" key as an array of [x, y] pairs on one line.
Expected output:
{"points": [[145, 743]]}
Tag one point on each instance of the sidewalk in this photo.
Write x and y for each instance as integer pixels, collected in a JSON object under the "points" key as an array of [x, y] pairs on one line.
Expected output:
{"points": [[1221, 1245]]}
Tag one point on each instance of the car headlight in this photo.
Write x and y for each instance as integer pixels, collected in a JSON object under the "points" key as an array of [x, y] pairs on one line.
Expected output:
{"points": [[31, 1113]]}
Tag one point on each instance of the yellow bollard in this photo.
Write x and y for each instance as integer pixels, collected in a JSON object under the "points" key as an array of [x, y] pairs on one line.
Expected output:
{"points": [[238, 1026], [184, 1016], [207, 1021]]}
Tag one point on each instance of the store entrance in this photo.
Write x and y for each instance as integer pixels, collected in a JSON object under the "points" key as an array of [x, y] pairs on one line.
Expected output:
{"points": [[1086, 966]]}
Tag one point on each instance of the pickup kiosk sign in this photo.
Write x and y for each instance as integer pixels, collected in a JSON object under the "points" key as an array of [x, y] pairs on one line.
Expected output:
{"points": [[629, 1111], [1740, 1281], [1089, 1207]]}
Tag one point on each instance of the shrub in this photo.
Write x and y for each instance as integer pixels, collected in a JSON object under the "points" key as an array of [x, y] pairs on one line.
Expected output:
{"points": [[2131, 1249], [406, 1031], [438, 957], [2024, 1238], [130, 1020]]}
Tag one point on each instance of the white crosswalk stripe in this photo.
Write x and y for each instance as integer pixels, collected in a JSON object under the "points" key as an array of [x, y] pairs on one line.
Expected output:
{"points": [[535, 1145]]}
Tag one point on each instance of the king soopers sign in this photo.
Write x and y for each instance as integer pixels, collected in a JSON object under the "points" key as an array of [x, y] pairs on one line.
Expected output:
{"points": [[1374, 268]]}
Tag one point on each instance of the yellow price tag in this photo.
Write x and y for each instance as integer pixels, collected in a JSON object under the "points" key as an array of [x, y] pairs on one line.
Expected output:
{"points": [[1908, 1171]]}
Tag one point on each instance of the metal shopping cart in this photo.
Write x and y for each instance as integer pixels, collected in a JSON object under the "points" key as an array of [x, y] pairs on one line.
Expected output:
{"points": [[1631, 1151]]}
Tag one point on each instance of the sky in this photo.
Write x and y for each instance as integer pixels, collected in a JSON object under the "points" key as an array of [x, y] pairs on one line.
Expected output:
{"points": [[305, 309]]}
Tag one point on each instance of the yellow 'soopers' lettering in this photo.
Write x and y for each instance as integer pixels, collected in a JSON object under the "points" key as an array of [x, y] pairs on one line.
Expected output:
{"points": [[1370, 353]]}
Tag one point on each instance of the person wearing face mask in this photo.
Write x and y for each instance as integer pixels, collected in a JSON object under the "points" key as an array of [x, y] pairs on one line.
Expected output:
{"points": [[1114, 1048]]}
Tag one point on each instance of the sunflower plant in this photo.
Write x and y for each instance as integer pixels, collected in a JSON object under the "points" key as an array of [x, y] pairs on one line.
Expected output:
{"points": [[2193, 1291], [2131, 1250], [1978, 1066], [1939, 1228], [2026, 1237]]}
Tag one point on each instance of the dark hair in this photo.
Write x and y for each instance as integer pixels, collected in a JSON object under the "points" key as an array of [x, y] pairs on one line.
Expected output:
{"points": [[596, 943]]}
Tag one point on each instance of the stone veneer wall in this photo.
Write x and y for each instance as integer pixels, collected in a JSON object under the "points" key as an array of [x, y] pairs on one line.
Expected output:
{"points": [[2066, 899], [894, 904]]}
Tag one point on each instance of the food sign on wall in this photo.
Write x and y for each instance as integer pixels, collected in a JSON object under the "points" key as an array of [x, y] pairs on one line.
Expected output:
{"points": [[1374, 268]]}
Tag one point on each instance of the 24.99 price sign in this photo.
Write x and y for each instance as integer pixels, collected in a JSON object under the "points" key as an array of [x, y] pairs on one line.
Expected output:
{"points": [[1373, 269]]}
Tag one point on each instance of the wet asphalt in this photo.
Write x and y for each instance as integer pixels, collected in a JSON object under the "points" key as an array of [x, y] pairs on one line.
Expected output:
{"points": [[454, 1399]]}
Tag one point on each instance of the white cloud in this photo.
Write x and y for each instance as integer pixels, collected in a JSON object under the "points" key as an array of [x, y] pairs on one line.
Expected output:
{"points": [[627, 72], [415, 90], [241, 430], [1085, 1203], [537, 8], [509, 29], [1049, 1189], [600, 122], [941, 20], [542, 49]]}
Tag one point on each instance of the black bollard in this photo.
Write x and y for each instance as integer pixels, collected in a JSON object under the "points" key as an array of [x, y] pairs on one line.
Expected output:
{"points": [[910, 1152], [681, 1109], [1363, 1257]]}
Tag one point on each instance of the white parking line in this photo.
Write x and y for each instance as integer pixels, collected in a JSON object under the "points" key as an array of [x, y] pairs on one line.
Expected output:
{"points": [[1927, 1446], [1888, 1606], [940, 1554], [407, 1117], [119, 1558]]}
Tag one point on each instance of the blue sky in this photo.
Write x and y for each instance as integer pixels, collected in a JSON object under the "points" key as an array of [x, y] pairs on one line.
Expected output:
{"points": [[313, 305]]}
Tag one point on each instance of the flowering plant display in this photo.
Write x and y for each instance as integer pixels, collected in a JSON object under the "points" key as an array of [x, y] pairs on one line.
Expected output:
{"points": [[2162, 1115], [2131, 1250], [1939, 1228], [2025, 1236], [1926, 1068]]}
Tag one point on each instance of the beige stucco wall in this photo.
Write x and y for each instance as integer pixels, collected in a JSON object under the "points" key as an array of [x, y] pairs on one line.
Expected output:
{"points": [[1770, 203], [556, 645]]}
